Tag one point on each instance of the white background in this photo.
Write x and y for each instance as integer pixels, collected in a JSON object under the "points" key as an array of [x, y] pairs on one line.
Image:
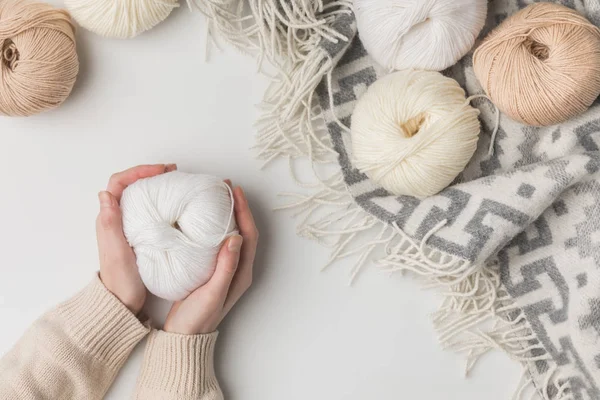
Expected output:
{"points": [[299, 333]]}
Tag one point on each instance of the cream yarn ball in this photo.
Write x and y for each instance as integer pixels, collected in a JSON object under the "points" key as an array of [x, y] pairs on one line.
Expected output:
{"points": [[176, 223], [419, 34], [120, 19], [413, 132]]}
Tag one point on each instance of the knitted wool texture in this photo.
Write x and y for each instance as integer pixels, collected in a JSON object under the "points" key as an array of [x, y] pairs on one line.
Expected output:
{"points": [[76, 350]]}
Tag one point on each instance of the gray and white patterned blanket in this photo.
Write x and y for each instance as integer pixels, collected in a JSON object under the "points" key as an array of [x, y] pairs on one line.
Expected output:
{"points": [[530, 212]]}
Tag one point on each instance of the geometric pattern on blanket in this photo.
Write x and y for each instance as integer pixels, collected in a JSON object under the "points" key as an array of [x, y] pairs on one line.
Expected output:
{"points": [[531, 210]]}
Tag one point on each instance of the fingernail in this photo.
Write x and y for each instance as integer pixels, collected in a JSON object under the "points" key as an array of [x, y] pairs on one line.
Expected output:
{"points": [[170, 167], [235, 244], [105, 200], [228, 182]]}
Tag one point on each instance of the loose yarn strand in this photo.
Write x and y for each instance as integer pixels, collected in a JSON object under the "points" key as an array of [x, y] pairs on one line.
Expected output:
{"points": [[497, 124], [227, 231], [332, 103]]}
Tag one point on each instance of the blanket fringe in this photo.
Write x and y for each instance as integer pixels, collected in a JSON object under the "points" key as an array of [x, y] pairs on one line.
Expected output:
{"points": [[286, 127], [478, 315], [281, 33], [287, 35], [555, 388]]}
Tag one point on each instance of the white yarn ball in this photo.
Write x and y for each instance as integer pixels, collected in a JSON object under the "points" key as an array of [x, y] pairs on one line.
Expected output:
{"points": [[120, 18], [419, 34], [413, 132], [176, 223]]}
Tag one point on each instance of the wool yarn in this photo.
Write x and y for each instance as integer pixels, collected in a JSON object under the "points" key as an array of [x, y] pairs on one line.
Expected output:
{"points": [[541, 66], [38, 57], [175, 224], [120, 19], [413, 132], [419, 34]]}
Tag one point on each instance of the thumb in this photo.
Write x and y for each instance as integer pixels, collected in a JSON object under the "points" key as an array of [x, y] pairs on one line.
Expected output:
{"points": [[109, 218], [109, 225], [227, 263]]}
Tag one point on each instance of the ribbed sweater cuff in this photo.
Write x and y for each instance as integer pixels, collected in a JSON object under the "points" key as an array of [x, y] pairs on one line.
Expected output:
{"points": [[179, 366], [101, 325]]}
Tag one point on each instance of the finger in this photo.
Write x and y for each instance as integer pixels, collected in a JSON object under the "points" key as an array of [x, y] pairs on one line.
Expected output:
{"points": [[227, 265], [243, 215], [119, 181], [247, 226], [109, 228], [174, 308], [109, 218], [170, 167]]}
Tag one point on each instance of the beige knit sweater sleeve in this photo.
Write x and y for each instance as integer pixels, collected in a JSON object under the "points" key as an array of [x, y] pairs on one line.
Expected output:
{"points": [[178, 367], [72, 352], [75, 351]]}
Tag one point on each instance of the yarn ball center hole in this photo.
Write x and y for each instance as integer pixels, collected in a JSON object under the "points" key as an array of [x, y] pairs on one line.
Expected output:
{"points": [[10, 54], [412, 126], [419, 24], [539, 50], [175, 225]]}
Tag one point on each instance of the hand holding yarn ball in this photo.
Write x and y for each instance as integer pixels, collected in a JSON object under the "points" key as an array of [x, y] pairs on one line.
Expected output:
{"points": [[120, 19], [541, 66], [118, 268], [176, 223], [422, 34], [413, 132], [203, 309], [38, 58]]}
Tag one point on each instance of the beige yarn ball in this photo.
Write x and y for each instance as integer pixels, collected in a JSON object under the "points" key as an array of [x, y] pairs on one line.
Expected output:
{"points": [[542, 65], [120, 19], [38, 57]]}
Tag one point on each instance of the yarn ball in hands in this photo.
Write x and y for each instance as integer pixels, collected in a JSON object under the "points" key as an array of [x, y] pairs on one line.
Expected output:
{"points": [[541, 66], [120, 19], [419, 34], [413, 132], [38, 57], [176, 223]]}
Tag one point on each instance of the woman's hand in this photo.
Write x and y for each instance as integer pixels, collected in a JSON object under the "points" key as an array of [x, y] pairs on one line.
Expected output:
{"points": [[205, 308], [118, 268]]}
